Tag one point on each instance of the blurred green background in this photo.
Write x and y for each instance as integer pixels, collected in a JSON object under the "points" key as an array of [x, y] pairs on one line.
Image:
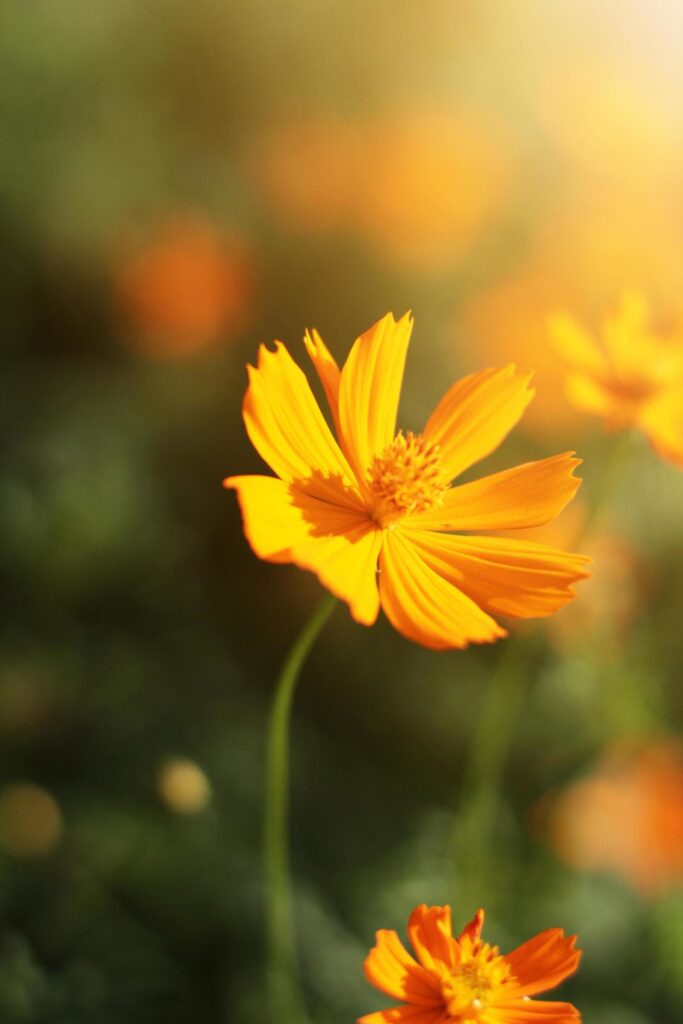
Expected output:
{"points": [[179, 182]]}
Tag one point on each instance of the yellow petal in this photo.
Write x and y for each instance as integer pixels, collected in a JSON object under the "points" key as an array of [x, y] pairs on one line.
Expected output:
{"points": [[590, 396], [346, 563], [576, 347], [327, 370], [475, 415], [287, 428], [504, 576], [528, 495], [271, 518], [284, 524], [370, 388], [662, 421], [423, 606]]}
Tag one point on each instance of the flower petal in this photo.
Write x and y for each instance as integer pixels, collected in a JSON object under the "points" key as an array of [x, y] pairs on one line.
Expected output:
{"points": [[406, 1015], [473, 929], [542, 962], [431, 936], [370, 389], [345, 561], [285, 524], [390, 968], [530, 1011], [589, 395], [528, 495], [503, 576], [287, 428], [422, 605], [576, 347], [272, 520], [475, 414], [662, 421], [327, 370]]}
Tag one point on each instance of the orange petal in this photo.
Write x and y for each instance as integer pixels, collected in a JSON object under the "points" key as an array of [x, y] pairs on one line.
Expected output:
{"points": [[431, 936], [475, 415], [422, 605], [503, 576], [531, 1011], [284, 524], [473, 929], [662, 421], [406, 1015], [327, 370], [287, 428], [576, 347], [370, 389], [528, 495], [390, 968], [542, 962]]}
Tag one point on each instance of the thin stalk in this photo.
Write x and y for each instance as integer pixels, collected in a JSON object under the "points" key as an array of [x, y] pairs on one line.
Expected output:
{"points": [[285, 998]]}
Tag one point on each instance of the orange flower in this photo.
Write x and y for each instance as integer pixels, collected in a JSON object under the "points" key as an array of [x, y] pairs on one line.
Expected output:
{"points": [[466, 979], [634, 379], [377, 496], [627, 816]]}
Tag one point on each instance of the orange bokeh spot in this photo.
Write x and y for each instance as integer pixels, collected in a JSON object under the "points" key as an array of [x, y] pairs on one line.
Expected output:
{"points": [[184, 288], [627, 816]]}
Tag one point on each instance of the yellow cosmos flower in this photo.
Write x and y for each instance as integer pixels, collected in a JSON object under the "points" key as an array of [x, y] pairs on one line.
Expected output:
{"points": [[635, 378], [377, 499], [465, 979]]}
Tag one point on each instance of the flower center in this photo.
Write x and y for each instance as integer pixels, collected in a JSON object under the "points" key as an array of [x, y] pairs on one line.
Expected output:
{"points": [[468, 988], [406, 477]]}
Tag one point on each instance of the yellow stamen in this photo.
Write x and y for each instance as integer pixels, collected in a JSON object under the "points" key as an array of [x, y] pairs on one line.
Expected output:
{"points": [[470, 985], [407, 477]]}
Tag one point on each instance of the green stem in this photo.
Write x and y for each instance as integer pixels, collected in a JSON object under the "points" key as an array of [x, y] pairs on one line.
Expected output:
{"points": [[286, 1002]]}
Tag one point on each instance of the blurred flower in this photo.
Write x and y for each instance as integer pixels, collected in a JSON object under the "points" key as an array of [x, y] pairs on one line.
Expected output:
{"points": [[30, 821], [432, 182], [184, 288], [419, 185], [579, 259], [338, 509], [627, 816], [183, 786], [635, 378], [466, 979], [308, 171]]}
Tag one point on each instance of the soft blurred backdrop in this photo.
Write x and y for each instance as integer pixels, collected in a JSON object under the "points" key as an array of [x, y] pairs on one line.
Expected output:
{"points": [[179, 182]]}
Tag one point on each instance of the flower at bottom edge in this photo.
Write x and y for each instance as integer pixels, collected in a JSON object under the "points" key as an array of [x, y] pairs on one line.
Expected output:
{"points": [[455, 980]]}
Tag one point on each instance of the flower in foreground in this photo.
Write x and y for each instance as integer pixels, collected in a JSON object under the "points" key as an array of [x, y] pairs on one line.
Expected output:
{"points": [[466, 979], [377, 499], [634, 379]]}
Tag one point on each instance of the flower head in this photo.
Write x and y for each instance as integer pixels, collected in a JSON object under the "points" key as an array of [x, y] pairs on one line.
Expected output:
{"points": [[378, 499], [635, 378], [453, 981]]}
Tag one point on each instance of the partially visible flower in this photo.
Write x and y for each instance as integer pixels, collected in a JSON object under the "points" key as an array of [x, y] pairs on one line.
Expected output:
{"points": [[377, 497], [634, 378], [626, 816], [466, 979], [183, 786], [184, 287]]}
